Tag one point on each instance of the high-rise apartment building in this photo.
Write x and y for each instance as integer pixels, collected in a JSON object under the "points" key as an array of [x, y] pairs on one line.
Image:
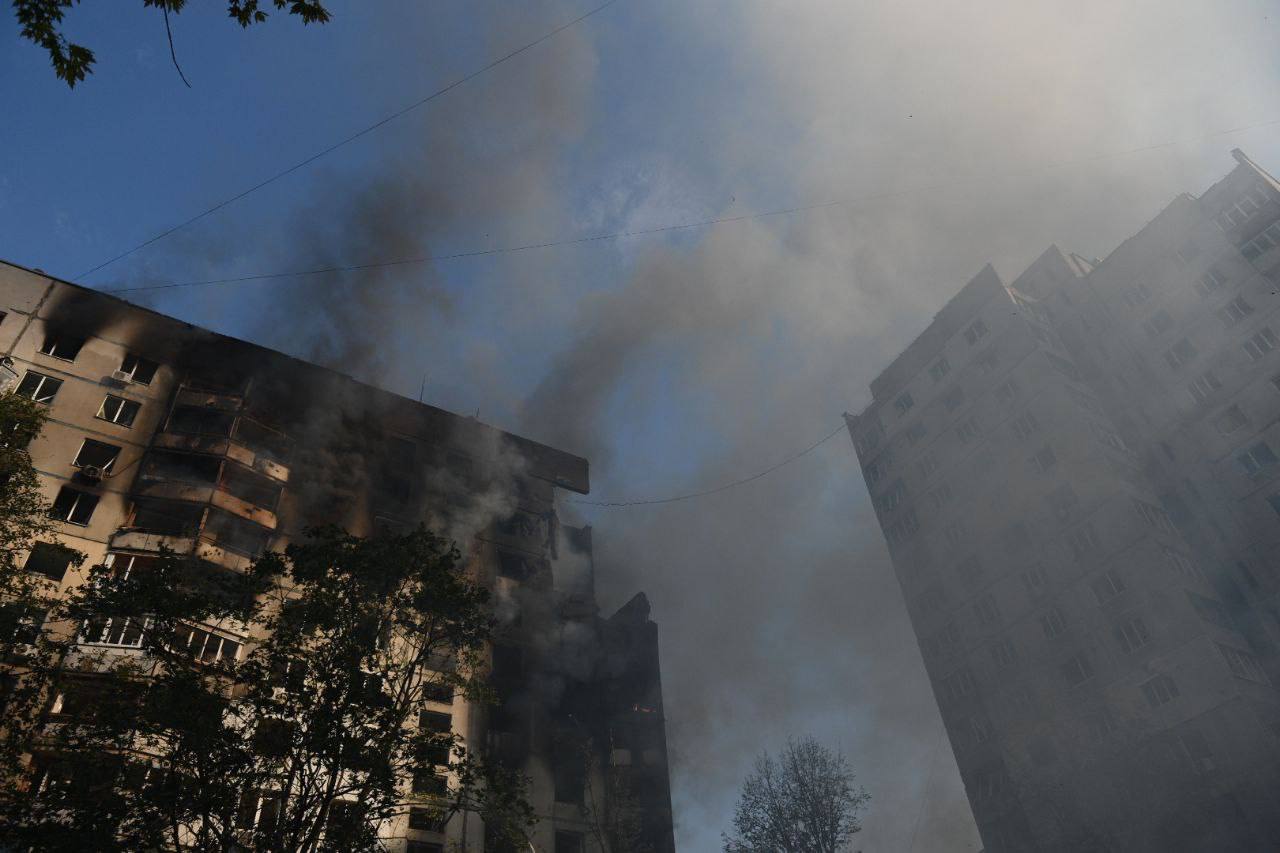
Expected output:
{"points": [[161, 434], [1078, 476]]}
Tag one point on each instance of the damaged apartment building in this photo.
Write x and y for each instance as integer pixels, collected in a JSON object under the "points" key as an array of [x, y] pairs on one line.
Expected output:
{"points": [[164, 435], [1078, 476]]}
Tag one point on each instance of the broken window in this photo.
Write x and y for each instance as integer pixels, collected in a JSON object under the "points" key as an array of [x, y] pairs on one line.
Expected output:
{"points": [[904, 403], [939, 369], [138, 369], [49, 560], [441, 725], [96, 455], [73, 506], [38, 387], [63, 347], [118, 410]]}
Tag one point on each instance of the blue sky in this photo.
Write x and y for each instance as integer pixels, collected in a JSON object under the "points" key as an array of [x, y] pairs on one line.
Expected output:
{"points": [[675, 362]]}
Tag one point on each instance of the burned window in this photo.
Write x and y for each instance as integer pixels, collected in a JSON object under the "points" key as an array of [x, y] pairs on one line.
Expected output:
{"points": [[63, 347], [440, 726], [515, 566], [235, 533], [118, 410], [200, 420], [438, 691], [49, 560], [568, 842], [167, 518], [569, 769], [183, 467], [425, 846], [73, 506], [428, 820], [903, 403], [96, 456], [137, 369], [38, 387], [429, 783]]}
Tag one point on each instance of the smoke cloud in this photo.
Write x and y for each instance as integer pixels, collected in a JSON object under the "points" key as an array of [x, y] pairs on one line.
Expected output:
{"points": [[958, 135]]}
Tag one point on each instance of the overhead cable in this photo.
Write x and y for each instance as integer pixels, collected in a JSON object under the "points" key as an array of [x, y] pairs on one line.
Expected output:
{"points": [[662, 229], [352, 138], [724, 488]]}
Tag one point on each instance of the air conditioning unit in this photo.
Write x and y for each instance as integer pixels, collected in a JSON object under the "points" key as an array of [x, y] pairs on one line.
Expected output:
{"points": [[120, 376], [91, 472]]}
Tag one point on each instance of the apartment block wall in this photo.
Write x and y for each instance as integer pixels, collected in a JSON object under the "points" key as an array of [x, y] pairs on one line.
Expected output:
{"points": [[233, 448], [1087, 666]]}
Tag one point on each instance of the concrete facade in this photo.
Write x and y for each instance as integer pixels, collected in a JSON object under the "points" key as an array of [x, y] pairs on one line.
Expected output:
{"points": [[160, 432], [1075, 475]]}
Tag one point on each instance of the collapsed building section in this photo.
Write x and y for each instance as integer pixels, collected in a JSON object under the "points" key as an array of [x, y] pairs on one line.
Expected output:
{"points": [[162, 435]]}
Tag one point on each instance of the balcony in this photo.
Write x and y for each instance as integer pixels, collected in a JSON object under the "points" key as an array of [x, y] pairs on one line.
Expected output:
{"points": [[206, 493], [214, 445]]}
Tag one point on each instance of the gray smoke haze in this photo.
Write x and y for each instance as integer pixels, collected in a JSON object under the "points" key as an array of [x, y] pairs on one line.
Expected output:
{"points": [[969, 133]]}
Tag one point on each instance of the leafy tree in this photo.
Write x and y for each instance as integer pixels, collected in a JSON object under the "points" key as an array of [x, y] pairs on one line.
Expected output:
{"points": [[305, 742], [25, 597], [802, 802], [41, 22]]}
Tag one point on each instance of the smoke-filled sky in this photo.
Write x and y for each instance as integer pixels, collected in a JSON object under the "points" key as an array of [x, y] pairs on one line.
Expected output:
{"points": [[959, 133]]}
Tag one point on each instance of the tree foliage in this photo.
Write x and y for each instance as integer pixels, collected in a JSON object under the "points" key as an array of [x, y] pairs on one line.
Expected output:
{"points": [[41, 22], [802, 802], [25, 597], [305, 741]]}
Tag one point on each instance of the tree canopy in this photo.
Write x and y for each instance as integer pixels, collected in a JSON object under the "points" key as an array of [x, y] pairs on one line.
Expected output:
{"points": [[331, 720], [804, 801], [41, 23]]}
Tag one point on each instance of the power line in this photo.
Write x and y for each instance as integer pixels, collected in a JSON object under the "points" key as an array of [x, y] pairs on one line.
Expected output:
{"points": [[792, 458], [663, 229], [353, 137]]}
